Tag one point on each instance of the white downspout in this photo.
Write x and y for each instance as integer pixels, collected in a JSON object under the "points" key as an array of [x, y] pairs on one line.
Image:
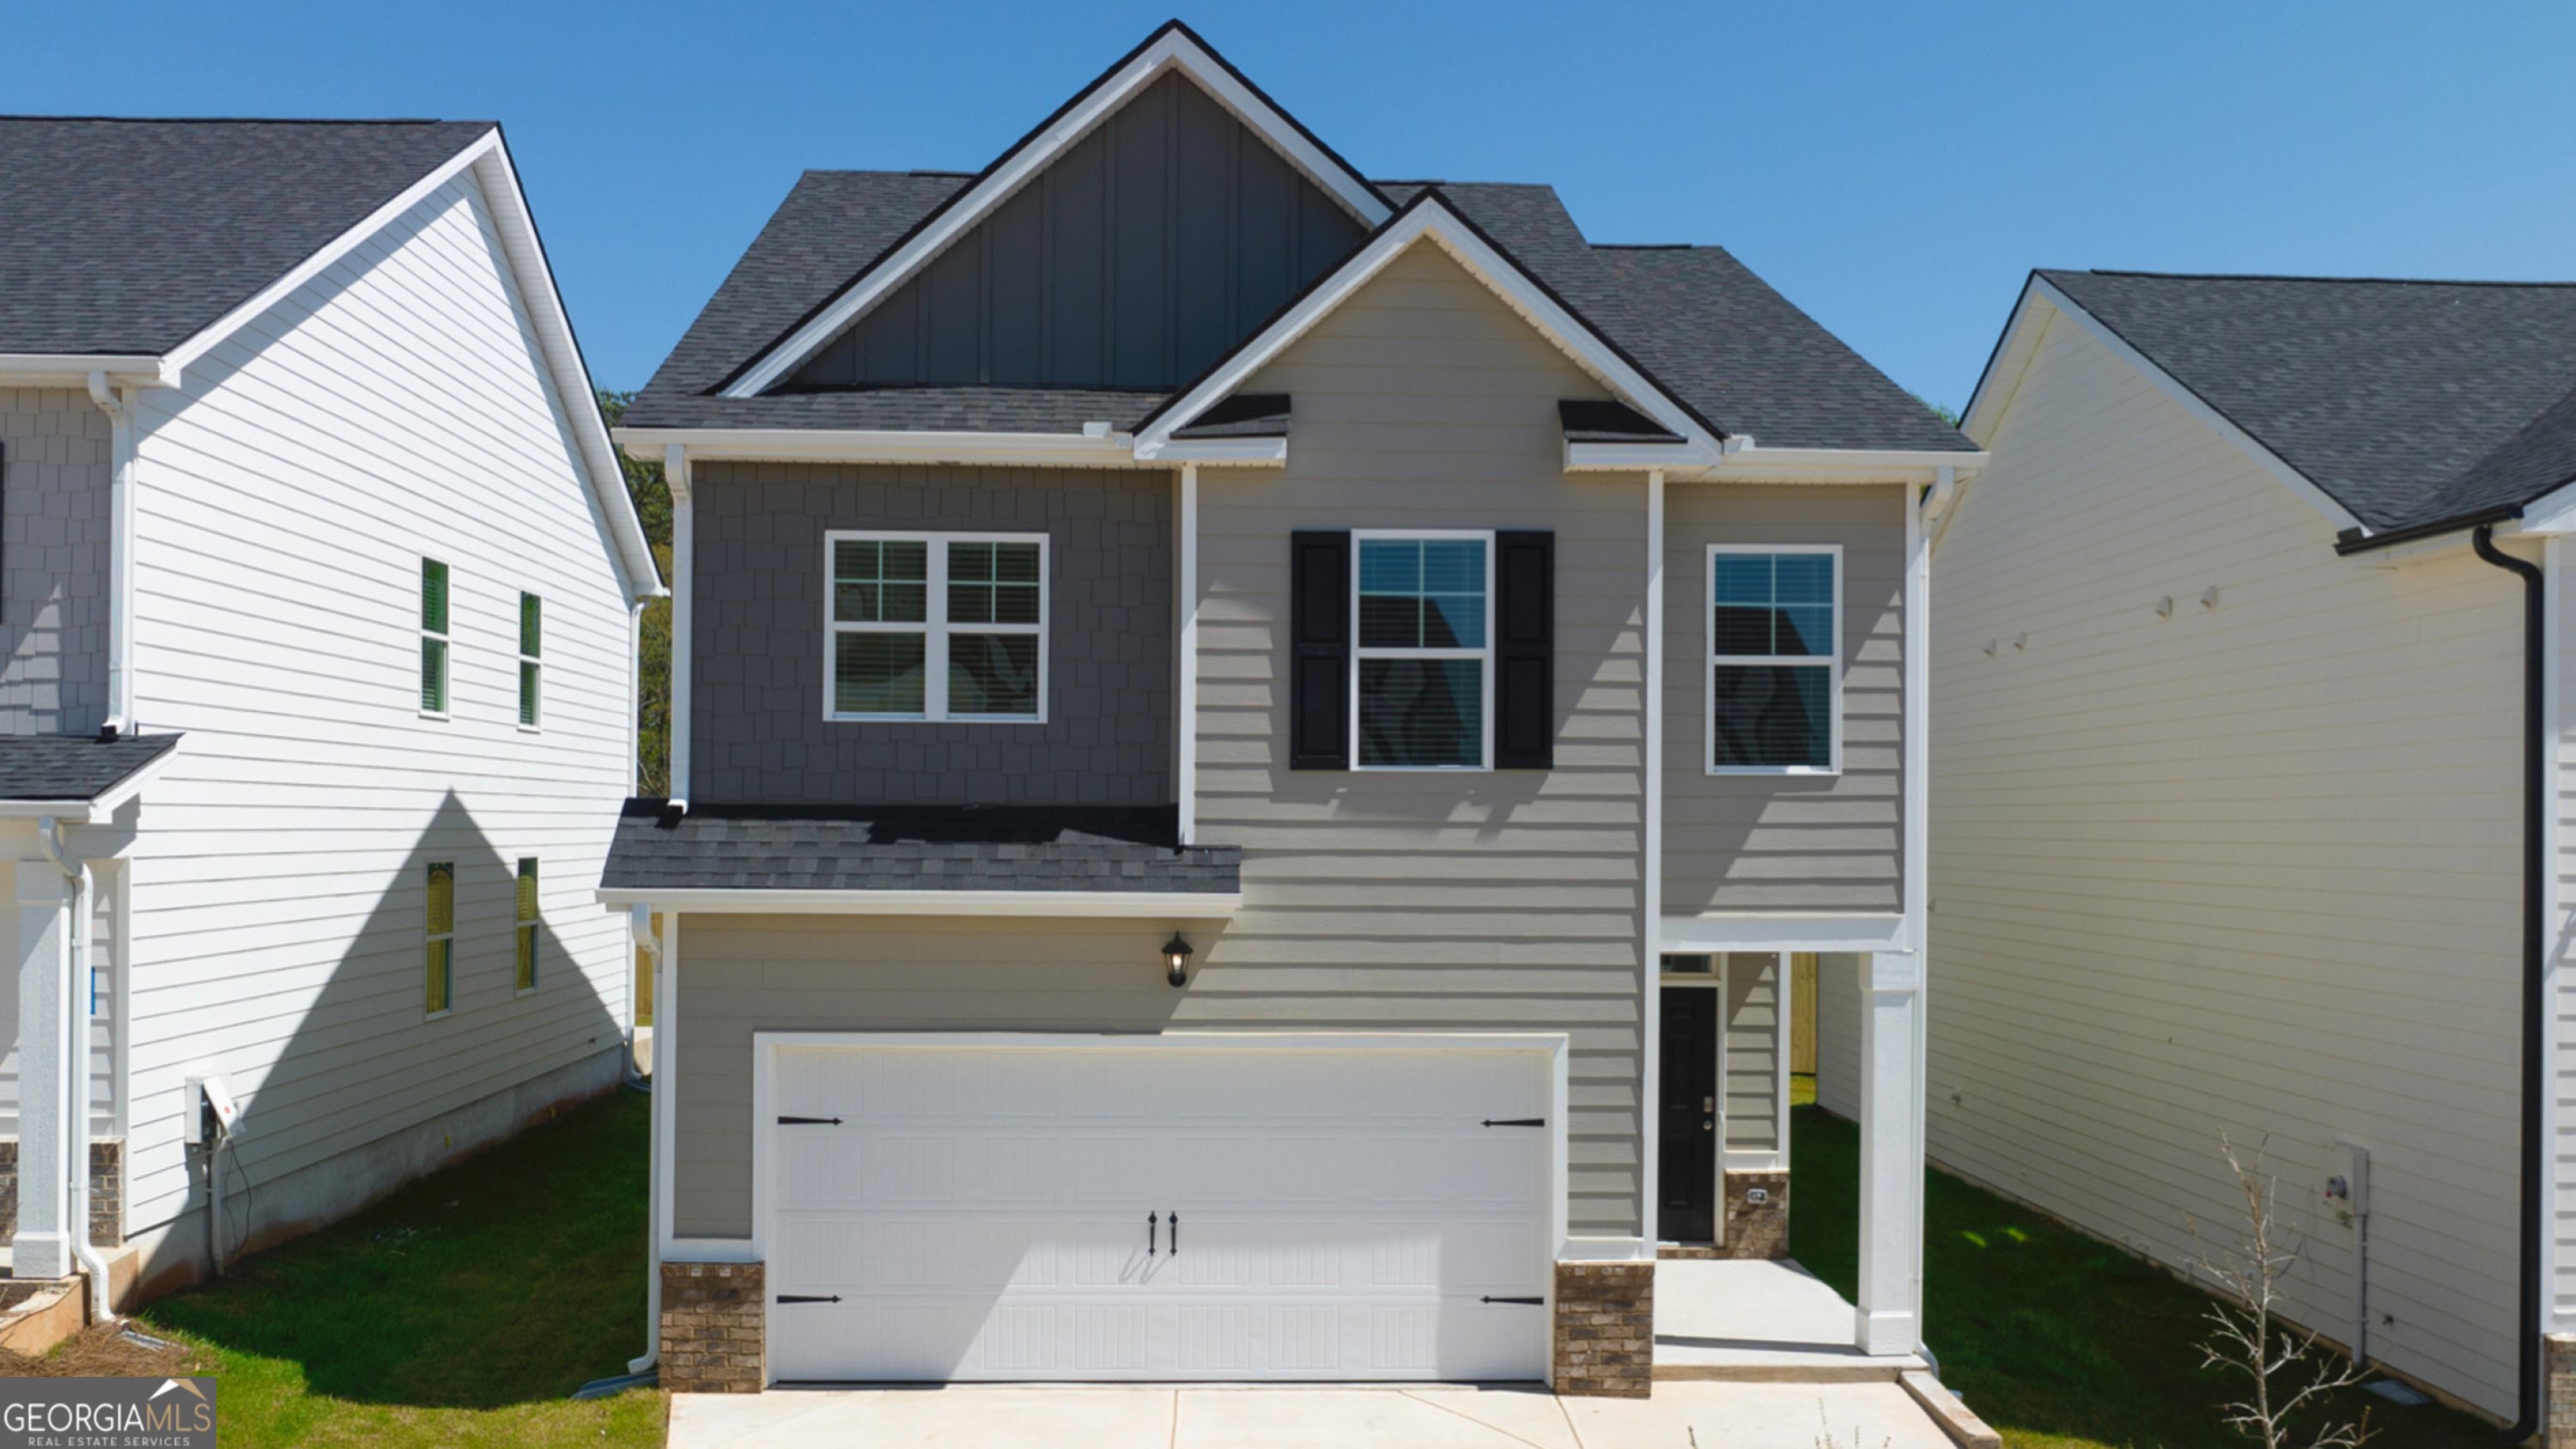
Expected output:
{"points": [[684, 552], [1186, 757], [119, 407], [639, 924], [76, 1056]]}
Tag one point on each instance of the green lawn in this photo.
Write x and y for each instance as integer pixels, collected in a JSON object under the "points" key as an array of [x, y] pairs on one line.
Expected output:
{"points": [[460, 1311], [2059, 1341]]}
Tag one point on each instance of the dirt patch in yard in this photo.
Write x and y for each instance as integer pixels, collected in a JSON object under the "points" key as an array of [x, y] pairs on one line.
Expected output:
{"points": [[102, 1350]]}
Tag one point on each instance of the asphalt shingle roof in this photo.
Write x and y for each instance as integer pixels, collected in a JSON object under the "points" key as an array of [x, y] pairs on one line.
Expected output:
{"points": [[130, 236], [913, 847], [2406, 402], [1715, 335], [72, 767]]}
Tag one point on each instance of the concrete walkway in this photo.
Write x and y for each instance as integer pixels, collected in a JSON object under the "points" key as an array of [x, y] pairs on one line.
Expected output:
{"points": [[1757, 1321], [1711, 1415]]}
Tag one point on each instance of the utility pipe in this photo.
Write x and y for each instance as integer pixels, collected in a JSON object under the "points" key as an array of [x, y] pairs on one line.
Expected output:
{"points": [[119, 407], [2535, 962], [75, 1125]]}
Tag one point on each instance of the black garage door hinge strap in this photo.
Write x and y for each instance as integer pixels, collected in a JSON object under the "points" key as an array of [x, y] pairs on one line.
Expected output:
{"points": [[1516, 1121], [809, 1121], [825, 1298], [1532, 1302]]}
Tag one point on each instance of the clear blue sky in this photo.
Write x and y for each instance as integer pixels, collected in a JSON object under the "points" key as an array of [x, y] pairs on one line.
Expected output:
{"points": [[1894, 168]]}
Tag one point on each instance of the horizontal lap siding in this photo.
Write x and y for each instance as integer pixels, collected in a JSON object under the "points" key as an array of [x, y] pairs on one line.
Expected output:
{"points": [[1507, 900], [390, 408], [2247, 867], [1808, 844], [54, 462]]}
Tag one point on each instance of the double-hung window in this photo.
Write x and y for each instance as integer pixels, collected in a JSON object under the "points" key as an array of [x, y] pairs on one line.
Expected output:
{"points": [[527, 927], [439, 921], [1423, 668], [433, 637], [1774, 659], [531, 671], [936, 626]]}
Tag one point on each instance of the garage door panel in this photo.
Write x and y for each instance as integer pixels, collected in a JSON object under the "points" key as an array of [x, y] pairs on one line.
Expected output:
{"points": [[1340, 1214]]}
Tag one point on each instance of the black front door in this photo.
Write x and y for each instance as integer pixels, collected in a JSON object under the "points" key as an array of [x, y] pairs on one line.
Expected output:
{"points": [[1689, 1210]]}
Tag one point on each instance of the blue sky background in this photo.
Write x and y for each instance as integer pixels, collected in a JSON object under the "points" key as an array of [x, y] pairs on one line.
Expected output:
{"points": [[1894, 168]]}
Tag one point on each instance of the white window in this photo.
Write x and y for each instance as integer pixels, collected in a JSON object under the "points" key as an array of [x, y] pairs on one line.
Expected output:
{"points": [[1422, 686], [531, 672], [935, 626], [1775, 679], [439, 921], [433, 638]]}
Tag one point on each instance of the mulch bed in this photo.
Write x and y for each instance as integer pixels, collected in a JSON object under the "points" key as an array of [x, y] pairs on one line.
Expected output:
{"points": [[102, 1351]]}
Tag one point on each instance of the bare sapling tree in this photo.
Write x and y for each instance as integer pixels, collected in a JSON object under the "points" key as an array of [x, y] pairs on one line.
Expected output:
{"points": [[2287, 1374]]}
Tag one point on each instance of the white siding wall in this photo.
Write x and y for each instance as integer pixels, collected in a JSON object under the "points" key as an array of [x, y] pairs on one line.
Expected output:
{"points": [[392, 407], [2250, 867]]}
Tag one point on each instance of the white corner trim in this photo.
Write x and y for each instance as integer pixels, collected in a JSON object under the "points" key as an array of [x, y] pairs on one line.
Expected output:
{"points": [[1915, 706], [1185, 766], [1651, 867], [1429, 216], [2190, 402], [1119, 905], [1173, 49], [852, 445], [1710, 935]]}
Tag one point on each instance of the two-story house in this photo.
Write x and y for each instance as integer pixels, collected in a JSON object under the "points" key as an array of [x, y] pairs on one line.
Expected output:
{"points": [[317, 592], [1252, 748]]}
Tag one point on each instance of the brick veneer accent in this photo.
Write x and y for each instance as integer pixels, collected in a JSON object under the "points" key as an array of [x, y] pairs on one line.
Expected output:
{"points": [[1756, 1230], [1605, 1329], [106, 1189], [2558, 1417], [714, 1328]]}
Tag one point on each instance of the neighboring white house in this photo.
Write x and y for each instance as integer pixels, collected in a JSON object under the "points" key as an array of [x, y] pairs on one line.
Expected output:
{"points": [[2229, 824], [317, 670]]}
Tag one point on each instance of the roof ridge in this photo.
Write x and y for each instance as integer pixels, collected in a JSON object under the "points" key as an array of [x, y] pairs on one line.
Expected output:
{"points": [[2295, 277]]}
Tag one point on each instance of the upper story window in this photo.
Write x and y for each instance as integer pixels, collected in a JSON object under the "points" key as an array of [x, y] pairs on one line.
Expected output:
{"points": [[433, 637], [936, 626], [1423, 669], [531, 669], [1774, 659]]}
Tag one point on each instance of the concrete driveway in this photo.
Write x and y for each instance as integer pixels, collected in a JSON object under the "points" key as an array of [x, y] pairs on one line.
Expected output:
{"points": [[1679, 1416]]}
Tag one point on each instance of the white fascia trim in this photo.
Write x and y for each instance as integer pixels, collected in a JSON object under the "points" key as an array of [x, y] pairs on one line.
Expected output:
{"points": [[1753, 463], [1174, 50], [1227, 452], [2002, 377], [73, 369], [1430, 216], [2190, 402], [1696, 935], [489, 160], [2551, 512], [1123, 905], [1633, 457], [833, 445]]}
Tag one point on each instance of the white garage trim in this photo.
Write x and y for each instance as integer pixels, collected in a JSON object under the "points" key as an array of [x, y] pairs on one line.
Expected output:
{"points": [[767, 1045]]}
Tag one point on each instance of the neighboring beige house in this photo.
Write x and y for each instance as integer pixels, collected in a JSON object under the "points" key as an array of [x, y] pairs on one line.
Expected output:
{"points": [[1251, 749], [317, 681], [2235, 791]]}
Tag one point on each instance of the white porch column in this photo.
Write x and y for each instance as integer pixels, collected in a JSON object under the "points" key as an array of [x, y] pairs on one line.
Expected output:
{"points": [[43, 1245], [1891, 1153]]}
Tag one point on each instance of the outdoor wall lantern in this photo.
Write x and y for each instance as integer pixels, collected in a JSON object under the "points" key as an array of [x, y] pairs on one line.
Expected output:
{"points": [[1176, 960]]}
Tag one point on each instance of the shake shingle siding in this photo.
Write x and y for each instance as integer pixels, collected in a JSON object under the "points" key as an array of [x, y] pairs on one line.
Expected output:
{"points": [[759, 621], [54, 445]]}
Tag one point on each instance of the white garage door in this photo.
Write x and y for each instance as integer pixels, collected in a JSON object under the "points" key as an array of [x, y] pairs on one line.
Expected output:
{"points": [[1164, 1212]]}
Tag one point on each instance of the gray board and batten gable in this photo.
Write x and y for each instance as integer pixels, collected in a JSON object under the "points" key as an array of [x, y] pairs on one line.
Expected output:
{"points": [[759, 636], [1133, 260], [2408, 402]]}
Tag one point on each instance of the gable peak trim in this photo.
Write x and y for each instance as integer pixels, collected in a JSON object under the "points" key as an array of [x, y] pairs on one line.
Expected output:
{"points": [[1172, 46]]}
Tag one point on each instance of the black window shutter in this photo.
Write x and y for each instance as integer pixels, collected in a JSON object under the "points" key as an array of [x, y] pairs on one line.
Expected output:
{"points": [[1319, 651], [1525, 651]]}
